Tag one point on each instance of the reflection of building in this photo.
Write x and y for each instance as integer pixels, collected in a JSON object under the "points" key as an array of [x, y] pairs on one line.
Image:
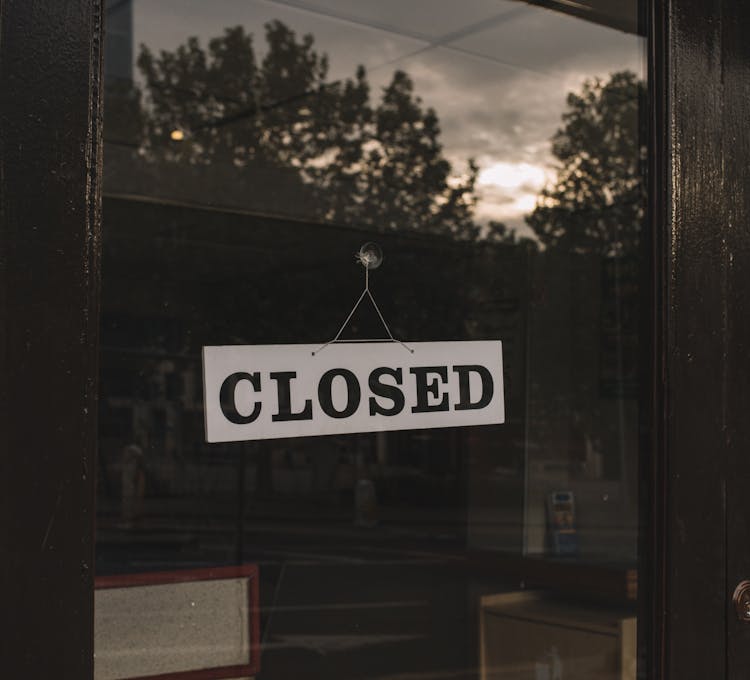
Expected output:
{"points": [[178, 277], [118, 47], [168, 272]]}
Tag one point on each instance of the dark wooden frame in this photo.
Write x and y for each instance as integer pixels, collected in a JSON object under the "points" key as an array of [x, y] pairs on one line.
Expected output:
{"points": [[695, 466], [50, 145], [653, 521], [701, 194]]}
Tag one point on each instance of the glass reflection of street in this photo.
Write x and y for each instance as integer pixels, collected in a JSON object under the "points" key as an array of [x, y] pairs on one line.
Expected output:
{"points": [[495, 154]]}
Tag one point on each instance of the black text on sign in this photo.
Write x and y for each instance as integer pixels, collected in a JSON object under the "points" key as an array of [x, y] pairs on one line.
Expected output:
{"points": [[273, 391]]}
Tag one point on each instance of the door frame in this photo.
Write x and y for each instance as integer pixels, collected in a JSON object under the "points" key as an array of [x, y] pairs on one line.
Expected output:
{"points": [[700, 518], [692, 427]]}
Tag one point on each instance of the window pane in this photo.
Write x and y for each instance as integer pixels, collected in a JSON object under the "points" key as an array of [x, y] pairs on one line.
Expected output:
{"points": [[494, 151]]}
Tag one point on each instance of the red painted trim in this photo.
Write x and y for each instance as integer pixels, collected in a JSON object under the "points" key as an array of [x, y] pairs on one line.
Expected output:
{"points": [[203, 674], [248, 571], [155, 578], [253, 593]]}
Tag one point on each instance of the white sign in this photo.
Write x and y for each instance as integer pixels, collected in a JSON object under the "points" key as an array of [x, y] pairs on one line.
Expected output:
{"points": [[272, 391]]}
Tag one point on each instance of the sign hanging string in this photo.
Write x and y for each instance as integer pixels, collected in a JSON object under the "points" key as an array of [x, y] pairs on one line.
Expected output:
{"points": [[370, 257]]}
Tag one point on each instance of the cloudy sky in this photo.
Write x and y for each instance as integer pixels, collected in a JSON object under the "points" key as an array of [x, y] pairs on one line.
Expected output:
{"points": [[496, 71]]}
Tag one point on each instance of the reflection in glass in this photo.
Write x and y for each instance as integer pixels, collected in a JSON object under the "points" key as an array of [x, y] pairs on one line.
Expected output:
{"points": [[496, 155]]}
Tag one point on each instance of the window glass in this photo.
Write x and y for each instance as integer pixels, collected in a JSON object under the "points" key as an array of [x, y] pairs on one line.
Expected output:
{"points": [[494, 151]]}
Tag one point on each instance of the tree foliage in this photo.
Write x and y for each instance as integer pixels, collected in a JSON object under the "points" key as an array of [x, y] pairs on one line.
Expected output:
{"points": [[272, 115], [597, 202], [378, 166]]}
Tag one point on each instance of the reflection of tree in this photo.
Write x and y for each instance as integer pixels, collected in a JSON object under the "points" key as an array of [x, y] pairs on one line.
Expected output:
{"points": [[380, 166], [498, 232], [275, 125], [597, 202]]}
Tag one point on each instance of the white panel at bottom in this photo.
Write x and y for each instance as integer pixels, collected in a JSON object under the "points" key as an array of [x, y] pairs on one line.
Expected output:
{"points": [[155, 629]]}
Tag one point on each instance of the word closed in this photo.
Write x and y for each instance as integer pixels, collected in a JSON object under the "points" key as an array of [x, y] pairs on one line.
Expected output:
{"points": [[272, 391]]}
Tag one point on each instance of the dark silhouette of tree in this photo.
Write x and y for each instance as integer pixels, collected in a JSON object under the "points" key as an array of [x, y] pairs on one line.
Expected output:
{"points": [[499, 232], [380, 167], [405, 182], [597, 202]]}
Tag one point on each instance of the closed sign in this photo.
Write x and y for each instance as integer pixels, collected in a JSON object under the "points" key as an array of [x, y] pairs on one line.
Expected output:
{"points": [[273, 391]]}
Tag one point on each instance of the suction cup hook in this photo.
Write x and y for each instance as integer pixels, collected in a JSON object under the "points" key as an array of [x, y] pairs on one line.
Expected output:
{"points": [[370, 256]]}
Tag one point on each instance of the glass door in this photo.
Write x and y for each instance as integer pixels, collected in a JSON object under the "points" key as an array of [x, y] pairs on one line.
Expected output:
{"points": [[494, 150]]}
